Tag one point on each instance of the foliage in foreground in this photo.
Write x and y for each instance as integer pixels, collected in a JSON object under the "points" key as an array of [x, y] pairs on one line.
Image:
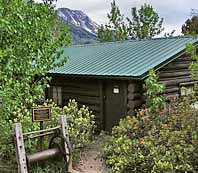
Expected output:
{"points": [[155, 100], [159, 139], [161, 142], [191, 50], [30, 47], [80, 126]]}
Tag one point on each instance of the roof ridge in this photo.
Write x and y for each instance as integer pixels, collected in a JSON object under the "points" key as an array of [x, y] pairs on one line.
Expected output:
{"points": [[101, 43], [125, 41]]}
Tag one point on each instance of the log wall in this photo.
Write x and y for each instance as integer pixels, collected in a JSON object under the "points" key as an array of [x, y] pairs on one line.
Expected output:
{"points": [[172, 75], [85, 92], [175, 73], [134, 97]]}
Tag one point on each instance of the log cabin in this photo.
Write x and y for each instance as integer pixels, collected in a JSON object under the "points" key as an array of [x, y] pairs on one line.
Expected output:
{"points": [[109, 77]]}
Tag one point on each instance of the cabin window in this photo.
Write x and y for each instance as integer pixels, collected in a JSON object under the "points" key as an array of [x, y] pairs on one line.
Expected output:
{"points": [[184, 91], [57, 95], [187, 88]]}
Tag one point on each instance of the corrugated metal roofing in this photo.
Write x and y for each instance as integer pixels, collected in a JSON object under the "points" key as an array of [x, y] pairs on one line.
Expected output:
{"points": [[124, 59]]}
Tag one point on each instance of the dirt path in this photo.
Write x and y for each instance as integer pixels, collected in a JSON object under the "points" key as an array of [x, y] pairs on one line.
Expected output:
{"points": [[90, 161]]}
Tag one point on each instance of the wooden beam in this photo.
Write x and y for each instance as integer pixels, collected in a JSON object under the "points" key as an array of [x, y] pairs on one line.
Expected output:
{"points": [[132, 87], [184, 58], [102, 116], [178, 66], [134, 104], [171, 90], [67, 146], [81, 84], [176, 81], [188, 83], [83, 99], [174, 74], [133, 96], [169, 96], [41, 131], [125, 98], [81, 92], [20, 148]]}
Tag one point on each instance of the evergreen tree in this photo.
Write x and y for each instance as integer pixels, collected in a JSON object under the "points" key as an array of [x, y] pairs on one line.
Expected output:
{"points": [[191, 25], [145, 23], [105, 33], [116, 28]]}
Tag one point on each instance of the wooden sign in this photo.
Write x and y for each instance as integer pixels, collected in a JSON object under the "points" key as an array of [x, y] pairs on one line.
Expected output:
{"points": [[40, 114]]}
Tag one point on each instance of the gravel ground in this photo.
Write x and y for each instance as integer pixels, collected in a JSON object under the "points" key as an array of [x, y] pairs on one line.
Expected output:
{"points": [[90, 161]]}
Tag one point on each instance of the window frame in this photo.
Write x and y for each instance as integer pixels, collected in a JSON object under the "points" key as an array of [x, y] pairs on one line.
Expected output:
{"points": [[188, 86], [57, 95]]}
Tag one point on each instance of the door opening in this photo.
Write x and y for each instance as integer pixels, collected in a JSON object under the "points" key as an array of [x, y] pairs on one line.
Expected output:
{"points": [[114, 103]]}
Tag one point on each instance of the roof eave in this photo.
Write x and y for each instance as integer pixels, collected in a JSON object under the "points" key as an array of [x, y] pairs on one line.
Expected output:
{"points": [[95, 76], [145, 75]]}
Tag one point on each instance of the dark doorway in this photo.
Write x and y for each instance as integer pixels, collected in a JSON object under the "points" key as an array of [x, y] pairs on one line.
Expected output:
{"points": [[115, 101]]}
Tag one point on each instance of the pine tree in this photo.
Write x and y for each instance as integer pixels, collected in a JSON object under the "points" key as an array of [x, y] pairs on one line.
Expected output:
{"points": [[145, 23], [191, 26], [116, 28]]}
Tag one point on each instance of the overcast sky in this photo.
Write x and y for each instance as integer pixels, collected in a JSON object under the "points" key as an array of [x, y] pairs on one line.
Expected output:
{"points": [[174, 12]]}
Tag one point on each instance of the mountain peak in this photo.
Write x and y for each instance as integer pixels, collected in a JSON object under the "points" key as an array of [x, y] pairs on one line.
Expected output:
{"points": [[78, 18]]}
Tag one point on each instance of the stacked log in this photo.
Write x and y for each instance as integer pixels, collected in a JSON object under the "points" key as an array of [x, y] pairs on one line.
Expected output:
{"points": [[175, 73], [134, 97]]}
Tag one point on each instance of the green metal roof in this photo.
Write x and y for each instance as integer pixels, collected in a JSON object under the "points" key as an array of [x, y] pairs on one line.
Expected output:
{"points": [[122, 59]]}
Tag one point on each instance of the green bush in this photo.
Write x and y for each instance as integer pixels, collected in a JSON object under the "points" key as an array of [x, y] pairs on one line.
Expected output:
{"points": [[161, 142], [27, 54], [154, 90], [80, 126], [24, 116]]}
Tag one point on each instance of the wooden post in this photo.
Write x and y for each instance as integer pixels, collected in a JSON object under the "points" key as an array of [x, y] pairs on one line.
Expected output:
{"points": [[102, 116], [41, 138], [20, 148], [64, 131]]}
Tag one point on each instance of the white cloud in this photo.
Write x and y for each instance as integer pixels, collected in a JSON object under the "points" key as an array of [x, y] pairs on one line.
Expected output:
{"points": [[174, 12]]}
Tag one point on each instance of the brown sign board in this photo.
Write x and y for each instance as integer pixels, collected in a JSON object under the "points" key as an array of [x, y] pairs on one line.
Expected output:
{"points": [[41, 114]]}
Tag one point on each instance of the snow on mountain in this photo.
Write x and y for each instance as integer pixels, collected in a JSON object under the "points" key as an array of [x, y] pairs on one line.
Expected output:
{"points": [[79, 19]]}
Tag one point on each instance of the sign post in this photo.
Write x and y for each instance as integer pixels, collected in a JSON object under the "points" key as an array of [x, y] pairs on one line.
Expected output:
{"points": [[41, 114]]}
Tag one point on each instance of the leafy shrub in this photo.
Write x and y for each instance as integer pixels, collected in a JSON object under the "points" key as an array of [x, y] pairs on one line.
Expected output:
{"points": [[191, 50], [80, 126], [154, 90], [50, 167], [24, 116], [117, 152], [27, 54], [165, 141]]}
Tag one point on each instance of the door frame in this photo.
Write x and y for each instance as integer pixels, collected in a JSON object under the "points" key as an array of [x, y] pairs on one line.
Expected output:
{"points": [[124, 84]]}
